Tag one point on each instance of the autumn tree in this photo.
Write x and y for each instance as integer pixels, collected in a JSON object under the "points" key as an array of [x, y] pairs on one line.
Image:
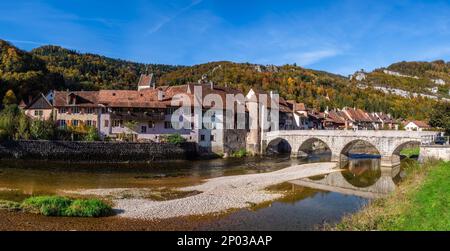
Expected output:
{"points": [[9, 98]]}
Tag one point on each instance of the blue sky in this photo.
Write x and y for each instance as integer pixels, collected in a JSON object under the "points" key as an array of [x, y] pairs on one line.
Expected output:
{"points": [[338, 36]]}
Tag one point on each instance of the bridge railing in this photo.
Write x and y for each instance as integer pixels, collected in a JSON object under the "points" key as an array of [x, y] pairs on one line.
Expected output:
{"points": [[429, 140]]}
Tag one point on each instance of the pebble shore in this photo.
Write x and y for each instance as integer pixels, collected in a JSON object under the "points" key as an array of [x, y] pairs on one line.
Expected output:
{"points": [[220, 194]]}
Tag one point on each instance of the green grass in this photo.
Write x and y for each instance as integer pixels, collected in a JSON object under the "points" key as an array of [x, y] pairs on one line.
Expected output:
{"points": [[240, 153], [420, 203], [62, 206], [408, 152]]}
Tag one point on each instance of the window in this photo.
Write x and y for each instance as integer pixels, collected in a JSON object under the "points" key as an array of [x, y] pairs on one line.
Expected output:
{"points": [[117, 123], [90, 110], [143, 129], [151, 124], [62, 110], [170, 110], [202, 137], [75, 122], [212, 137], [89, 122], [62, 123], [75, 110], [106, 123], [168, 125]]}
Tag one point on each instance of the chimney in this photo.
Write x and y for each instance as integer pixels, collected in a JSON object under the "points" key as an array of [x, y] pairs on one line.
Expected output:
{"points": [[160, 95], [212, 85]]}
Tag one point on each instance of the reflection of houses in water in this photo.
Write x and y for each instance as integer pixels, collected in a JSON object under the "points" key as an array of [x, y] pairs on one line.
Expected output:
{"points": [[342, 182]]}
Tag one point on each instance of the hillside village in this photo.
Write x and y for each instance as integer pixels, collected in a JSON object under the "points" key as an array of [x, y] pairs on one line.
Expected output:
{"points": [[145, 115]]}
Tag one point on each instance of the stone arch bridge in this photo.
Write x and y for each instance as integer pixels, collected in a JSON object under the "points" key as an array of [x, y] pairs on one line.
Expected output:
{"points": [[388, 143]]}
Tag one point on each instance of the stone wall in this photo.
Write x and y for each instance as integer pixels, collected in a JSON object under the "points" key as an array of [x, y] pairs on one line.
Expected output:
{"points": [[96, 151], [434, 152]]}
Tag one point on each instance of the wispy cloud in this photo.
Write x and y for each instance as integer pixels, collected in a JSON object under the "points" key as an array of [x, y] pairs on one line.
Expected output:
{"points": [[310, 57], [166, 20]]}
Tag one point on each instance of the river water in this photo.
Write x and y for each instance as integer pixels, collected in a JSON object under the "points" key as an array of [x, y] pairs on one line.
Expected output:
{"points": [[303, 207]]}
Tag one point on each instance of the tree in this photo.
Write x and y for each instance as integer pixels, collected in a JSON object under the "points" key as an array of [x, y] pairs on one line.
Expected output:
{"points": [[23, 126], [40, 129], [9, 98], [440, 116], [92, 134]]}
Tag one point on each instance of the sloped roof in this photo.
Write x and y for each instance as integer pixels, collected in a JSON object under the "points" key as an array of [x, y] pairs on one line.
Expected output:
{"points": [[421, 124], [84, 98], [39, 102], [145, 80]]}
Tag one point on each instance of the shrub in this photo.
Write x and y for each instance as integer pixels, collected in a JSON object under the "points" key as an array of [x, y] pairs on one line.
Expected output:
{"points": [[88, 208], [62, 206], [42, 129], [239, 154], [92, 134], [175, 139], [46, 205]]}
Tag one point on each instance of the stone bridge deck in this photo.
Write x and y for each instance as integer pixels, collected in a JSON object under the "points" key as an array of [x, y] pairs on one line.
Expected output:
{"points": [[388, 143]]}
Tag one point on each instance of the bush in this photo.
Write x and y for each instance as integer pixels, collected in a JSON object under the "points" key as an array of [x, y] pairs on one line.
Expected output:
{"points": [[42, 129], [175, 139], [62, 206], [47, 205], [92, 134], [88, 208], [240, 154]]}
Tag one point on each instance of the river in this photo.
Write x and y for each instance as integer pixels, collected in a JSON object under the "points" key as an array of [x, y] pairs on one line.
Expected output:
{"points": [[305, 207]]}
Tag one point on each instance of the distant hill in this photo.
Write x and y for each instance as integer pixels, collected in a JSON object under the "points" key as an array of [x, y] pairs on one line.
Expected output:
{"points": [[91, 71], [431, 79], [24, 72]]}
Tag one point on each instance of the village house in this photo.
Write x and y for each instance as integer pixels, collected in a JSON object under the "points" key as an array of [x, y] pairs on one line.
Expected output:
{"points": [[39, 108], [416, 125]]}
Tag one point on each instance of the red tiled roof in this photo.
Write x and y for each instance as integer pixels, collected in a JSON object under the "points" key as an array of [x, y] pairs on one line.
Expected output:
{"points": [[84, 98], [145, 80], [421, 124]]}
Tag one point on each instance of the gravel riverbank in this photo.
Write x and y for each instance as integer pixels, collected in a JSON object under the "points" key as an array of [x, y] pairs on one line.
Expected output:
{"points": [[217, 194]]}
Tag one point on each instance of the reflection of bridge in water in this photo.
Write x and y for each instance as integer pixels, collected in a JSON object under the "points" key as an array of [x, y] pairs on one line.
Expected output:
{"points": [[374, 185]]}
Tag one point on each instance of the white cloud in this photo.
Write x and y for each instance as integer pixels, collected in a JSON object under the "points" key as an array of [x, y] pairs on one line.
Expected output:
{"points": [[311, 57]]}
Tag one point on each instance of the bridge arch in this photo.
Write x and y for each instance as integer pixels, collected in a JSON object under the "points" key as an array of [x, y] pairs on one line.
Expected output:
{"points": [[278, 146], [395, 155], [365, 147], [314, 145]]}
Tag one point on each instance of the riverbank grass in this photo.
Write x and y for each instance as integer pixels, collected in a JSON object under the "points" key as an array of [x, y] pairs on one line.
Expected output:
{"points": [[409, 152], [59, 206], [420, 203]]}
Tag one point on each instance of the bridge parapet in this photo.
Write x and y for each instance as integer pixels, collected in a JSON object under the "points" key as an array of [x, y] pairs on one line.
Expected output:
{"points": [[387, 142]]}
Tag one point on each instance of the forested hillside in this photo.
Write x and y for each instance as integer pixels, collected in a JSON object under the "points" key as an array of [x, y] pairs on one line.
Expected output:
{"points": [[316, 89], [429, 78], [52, 67], [90, 71]]}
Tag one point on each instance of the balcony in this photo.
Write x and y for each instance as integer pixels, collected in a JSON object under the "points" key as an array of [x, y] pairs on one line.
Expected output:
{"points": [[138, 116]]}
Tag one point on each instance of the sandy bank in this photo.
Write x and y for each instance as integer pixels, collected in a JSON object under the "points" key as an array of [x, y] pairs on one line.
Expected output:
{"points": [[220, 194]]}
